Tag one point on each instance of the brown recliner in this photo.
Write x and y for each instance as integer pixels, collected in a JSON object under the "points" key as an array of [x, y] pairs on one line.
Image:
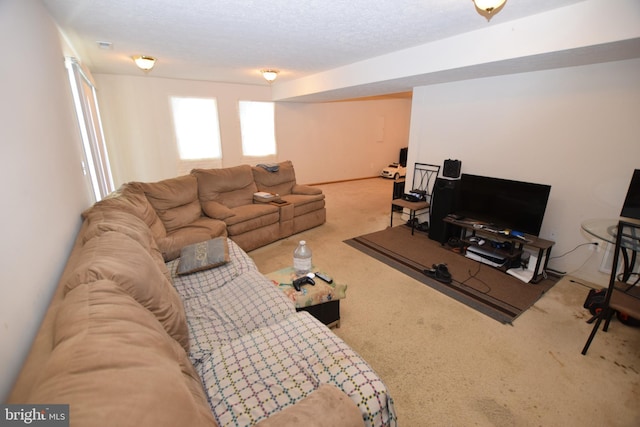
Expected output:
{"points": [[227, 194], [307, 205]]}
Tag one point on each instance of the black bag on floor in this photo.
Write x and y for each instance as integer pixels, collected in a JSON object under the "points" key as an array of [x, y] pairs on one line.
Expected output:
{"points": [[595, 301]]}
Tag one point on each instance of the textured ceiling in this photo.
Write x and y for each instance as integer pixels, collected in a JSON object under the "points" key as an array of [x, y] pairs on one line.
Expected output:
{"points": [[229, 41]]}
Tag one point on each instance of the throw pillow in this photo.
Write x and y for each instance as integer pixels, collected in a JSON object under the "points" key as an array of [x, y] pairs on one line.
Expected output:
{"points": [[203, 256]]}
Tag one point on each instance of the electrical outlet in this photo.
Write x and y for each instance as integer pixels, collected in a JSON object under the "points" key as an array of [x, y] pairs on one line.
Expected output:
{"points": [[596, 246]]}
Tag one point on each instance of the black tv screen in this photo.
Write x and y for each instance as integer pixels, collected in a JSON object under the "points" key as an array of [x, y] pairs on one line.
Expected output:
{"points": [[503, 203], [631, 206]]}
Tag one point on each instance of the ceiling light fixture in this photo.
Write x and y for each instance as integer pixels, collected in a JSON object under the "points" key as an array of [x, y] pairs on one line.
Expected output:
{"points": [[488, 8], [145, 63], [270, 75]]}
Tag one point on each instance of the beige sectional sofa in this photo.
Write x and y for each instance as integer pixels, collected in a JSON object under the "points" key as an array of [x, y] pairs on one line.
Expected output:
{"points": [[128, 341], [218, 201]]}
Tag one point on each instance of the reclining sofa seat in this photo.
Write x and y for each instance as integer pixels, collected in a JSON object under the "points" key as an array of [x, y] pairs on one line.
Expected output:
{"points": [[227, 194], [211, 203], [176, 203], [307, 203]]}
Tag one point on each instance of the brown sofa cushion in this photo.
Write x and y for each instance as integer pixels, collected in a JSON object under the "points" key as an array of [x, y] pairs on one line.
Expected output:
{"points": [[175, 200], [114, 364], [105, 220], [198, 231], [280, 182], [131, 199], [115, 256], [216, 210], [251, 217], [306, 190], [232, 186]]}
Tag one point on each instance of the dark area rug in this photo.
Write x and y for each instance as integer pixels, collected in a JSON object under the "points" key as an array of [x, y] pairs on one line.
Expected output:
{"points": [[482, 287]]}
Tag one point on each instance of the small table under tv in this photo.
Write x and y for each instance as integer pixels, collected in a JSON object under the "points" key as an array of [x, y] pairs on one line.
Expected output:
{"points": [[470, 228]]}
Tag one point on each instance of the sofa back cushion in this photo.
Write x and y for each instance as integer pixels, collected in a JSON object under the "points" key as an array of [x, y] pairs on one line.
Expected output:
{"points": [[115, 256], [232, 186], [130, 199], [114, 363], [279, 182], [103, 221], [175, 200]]}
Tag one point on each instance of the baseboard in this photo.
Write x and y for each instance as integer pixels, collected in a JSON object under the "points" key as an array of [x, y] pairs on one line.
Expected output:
{"points": [[345, 180]]}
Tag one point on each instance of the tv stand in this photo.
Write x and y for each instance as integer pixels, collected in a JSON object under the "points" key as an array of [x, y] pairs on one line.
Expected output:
{"points": [[470, 229]]}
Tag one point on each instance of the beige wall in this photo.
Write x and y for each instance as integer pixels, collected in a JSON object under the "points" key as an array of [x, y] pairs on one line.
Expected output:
{"points": [[43, 189], [576, 129], [342, 140], [326, 142]]}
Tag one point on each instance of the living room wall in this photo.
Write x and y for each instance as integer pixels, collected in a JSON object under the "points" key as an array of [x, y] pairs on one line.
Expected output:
{"points": [[326, 142], [44, 190], [575, 129]]}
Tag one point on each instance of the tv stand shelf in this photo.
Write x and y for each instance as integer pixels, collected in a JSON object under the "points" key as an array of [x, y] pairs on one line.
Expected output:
{"points": [[471, 228]]}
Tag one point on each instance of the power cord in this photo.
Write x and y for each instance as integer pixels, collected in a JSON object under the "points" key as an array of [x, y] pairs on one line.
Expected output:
{"points": [[473, 276], [564, 273], [573, 250]]}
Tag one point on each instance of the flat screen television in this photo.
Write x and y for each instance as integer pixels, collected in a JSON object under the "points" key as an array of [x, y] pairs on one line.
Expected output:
{"points": [[631, 206], [516, 205]]}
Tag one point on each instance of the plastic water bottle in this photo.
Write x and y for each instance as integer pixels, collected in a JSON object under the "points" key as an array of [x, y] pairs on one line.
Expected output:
{"points": [[302, 259]]}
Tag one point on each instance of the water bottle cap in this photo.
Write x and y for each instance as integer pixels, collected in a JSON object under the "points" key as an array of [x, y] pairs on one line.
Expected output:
{"points": [[302, 242]]}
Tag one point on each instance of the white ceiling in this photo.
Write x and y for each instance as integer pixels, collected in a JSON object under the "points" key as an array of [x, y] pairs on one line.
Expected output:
{"points": [[231, 40]]}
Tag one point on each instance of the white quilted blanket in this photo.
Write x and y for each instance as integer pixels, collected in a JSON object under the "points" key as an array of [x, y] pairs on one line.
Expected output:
{"points": [[256, 355]]}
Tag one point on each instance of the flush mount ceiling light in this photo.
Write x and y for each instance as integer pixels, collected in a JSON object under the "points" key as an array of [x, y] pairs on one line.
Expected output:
{"points": [[145, 63], [488, 8], [269, 75]]}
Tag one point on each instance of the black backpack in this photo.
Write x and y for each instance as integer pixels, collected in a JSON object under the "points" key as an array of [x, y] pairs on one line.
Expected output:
{"points": [[595, 303], [595, 300]]}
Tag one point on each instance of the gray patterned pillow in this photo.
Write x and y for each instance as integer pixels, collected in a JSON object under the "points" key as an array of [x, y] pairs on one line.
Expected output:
{"points": [[203, 256]]}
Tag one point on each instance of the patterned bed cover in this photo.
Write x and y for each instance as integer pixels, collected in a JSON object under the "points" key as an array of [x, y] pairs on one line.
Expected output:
{"points": [[257, 356]]}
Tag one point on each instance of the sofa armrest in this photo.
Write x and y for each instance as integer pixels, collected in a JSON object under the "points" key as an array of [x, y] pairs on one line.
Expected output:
{"points": [[305, 189], [327, 406], [216, 210]]}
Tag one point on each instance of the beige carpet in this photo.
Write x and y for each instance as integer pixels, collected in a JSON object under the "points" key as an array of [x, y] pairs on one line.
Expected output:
{"points": [[448, 365]]}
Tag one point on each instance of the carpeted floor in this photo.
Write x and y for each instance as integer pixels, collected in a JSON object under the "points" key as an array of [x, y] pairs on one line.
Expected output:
{"points": [[484, 288], [445, 363]]}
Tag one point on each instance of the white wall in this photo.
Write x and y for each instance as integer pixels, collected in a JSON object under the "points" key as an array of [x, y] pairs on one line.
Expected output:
{"points": [[326, 142], [43, 188], [138, 127], [576, 129]]}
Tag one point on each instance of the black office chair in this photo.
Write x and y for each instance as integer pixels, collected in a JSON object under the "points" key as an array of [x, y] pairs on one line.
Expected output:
{"points": [[424, 178], [621, 297]]}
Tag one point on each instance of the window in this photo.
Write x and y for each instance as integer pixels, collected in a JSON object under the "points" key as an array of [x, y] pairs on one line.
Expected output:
{"points": [[257, 125], [197, 129], [95, 163]]}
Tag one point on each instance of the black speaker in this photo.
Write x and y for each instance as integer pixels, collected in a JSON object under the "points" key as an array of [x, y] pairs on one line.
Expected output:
{"points": [[452, 168], [403, 156], [443, 202]]}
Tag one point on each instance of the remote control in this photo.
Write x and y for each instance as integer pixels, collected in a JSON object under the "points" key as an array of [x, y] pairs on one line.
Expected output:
{"points": [[324, 277]]}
